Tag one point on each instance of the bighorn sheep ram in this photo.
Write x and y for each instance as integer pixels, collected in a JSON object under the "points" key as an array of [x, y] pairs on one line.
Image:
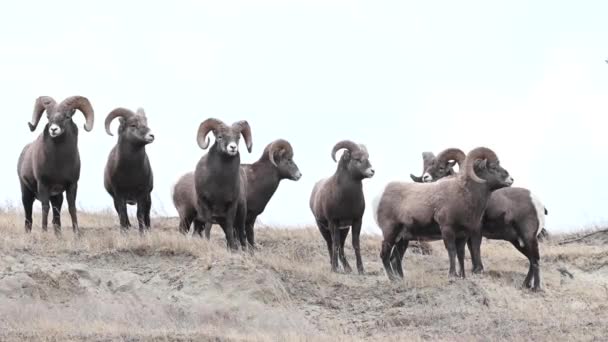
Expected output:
{"points": [[513, 214], [450, 209], [50, 165], [263, 178], [337, 202], [128, 175], [429, 160], [220, 184]]}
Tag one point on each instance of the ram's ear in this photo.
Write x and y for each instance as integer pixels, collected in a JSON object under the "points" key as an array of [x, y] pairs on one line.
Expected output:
{"points": [[427, 159], [346, 155], [481, 163]]}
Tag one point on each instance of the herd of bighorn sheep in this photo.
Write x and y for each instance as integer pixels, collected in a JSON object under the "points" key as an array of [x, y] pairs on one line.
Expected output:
{"points": [[460, 208]]}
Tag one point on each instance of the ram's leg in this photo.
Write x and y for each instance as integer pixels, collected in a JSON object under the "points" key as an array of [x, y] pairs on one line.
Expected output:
{"points": [[199, 227], [343, 235], [147, 209], [239, 225], [460, 249], [141, 209], [207, 230], [335, 245], [56, 203], [250, 234], [449, 240], [523, 250], [71, 192], [397, 255], [121, 209], [474, 244], [356, 245], [535, 262], [27, 198], [385, 253], [227, 225], [44, 197]]}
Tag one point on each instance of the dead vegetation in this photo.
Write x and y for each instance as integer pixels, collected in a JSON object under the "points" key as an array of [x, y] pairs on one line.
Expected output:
{"points": [[168, 287], [592, 236]]}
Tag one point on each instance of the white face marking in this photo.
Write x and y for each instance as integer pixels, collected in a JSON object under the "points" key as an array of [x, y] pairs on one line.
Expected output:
{"points": [[509, 180], [521, 242], [370, 172], [54, 130], [298, 175], [233, 148], [149, 137], [427, 178]]}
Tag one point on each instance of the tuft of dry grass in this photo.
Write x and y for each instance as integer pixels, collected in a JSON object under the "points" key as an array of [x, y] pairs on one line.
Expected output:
{"points": [[164, 286]]}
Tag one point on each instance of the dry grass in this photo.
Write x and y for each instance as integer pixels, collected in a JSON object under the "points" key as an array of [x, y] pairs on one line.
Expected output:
{"points": [[166, 287]]}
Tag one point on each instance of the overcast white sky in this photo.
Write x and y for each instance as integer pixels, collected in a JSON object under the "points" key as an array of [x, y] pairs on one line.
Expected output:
{"points": [[525, 79]]}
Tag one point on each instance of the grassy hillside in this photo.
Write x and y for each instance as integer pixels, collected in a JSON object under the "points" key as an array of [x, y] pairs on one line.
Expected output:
{"points": [[167, 287]]}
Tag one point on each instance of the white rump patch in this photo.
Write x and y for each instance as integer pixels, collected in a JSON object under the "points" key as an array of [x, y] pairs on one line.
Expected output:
{"points": [[540, 212], [375, 203], [172, 190], [521, 242]]}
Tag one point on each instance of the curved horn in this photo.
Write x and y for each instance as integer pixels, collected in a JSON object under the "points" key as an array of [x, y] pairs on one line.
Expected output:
{"points": [[83, 105], [210, 124], [277, 145], [42, 103], [451, 154], [243, 126], [347, 144], [120, 111], [475, 154], [416, 178]]}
